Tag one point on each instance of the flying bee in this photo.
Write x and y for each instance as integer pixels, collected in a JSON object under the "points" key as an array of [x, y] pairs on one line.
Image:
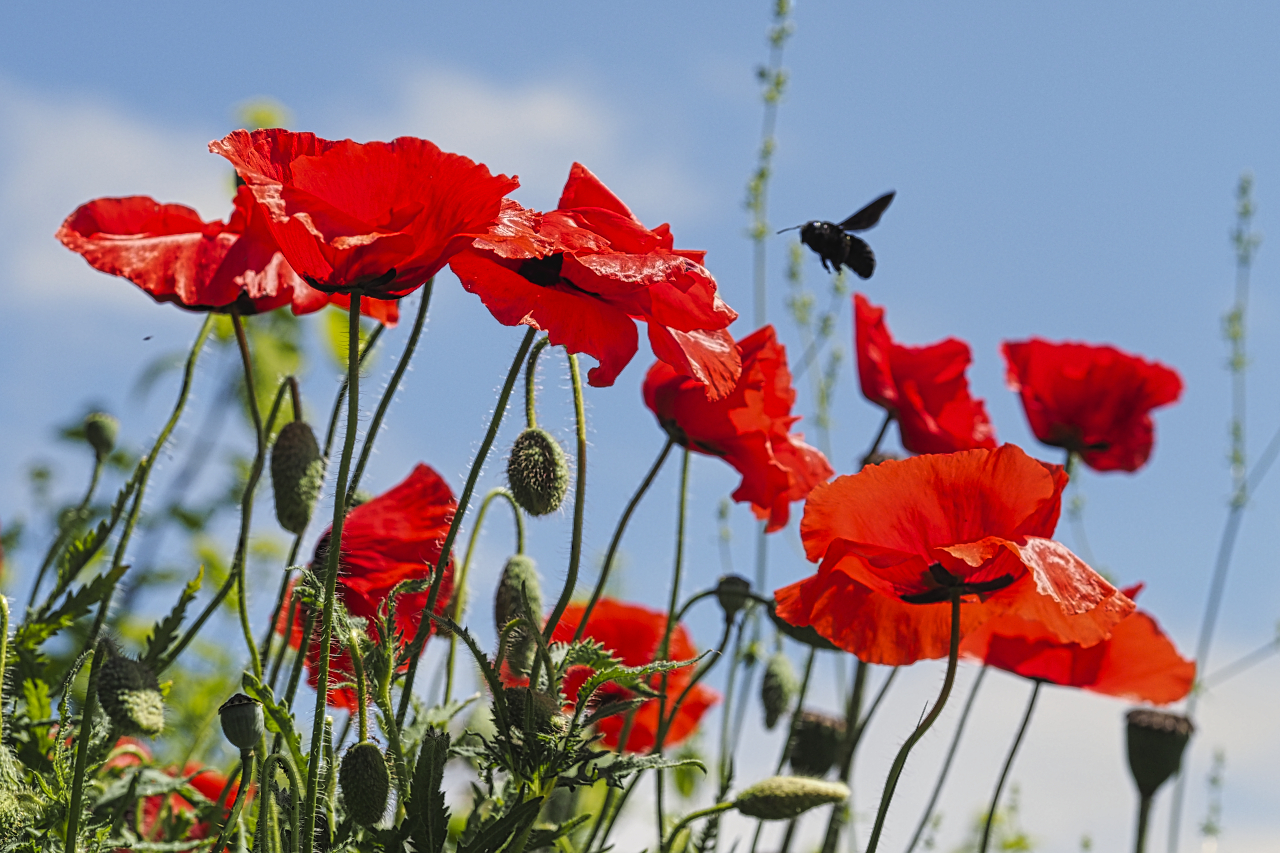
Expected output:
{"points": [[835, 245]]}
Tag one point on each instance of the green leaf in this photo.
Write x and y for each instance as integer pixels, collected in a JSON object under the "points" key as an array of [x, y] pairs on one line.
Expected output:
{"points": [[496, 835], [166, 630], [35, 693], [427, 824], [278, 718], [76, 604], [540, 838], [630, 677]]}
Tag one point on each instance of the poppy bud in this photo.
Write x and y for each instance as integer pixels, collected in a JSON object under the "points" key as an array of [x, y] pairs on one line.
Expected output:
{"points": [[297, 474], [815, 744], [787, 797], [537, 472], [365, 781], [242, 721], [878, 457], [100, 431], [732, 592], [130, 694], [1156, 741], [547, 715], [519, 582], [777, 688]]}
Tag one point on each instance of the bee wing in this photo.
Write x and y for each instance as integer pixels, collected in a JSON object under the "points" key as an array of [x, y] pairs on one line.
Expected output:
{"points": [[869, 215], [860, 258]]}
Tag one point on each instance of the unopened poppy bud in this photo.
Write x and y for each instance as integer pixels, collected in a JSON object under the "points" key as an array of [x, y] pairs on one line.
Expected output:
{"points": [[732, 592], [1156, 742], [537, 472], [242, 721], [777, 688], [297, 474], [519, 582], [787, 797], [816, 743], [365, 781], [100, 430], [548, 717], [130, 694], [878, 457]]}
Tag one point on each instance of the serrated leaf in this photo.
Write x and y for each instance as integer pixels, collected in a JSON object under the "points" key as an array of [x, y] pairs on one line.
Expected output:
{"points": [[630, 677], [617, 771], [32, 634], [35, 693], [166, 630], [496, 835], [427, 823], [612, 708], [540, 838], [279, 720]]}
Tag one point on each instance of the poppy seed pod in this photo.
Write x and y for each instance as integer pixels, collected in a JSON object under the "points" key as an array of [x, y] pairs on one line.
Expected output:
{"points": [[732, 592], [787, 797], [365, 781], [519, 581], [815, 743], [777, 688], [100, 431], [537, 472], [130, 694], [1156, 742], [242, 721], [297, 474]]}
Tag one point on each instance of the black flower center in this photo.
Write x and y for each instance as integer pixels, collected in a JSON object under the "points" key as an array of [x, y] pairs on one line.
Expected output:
{"points": [[949, 585], [543, 272]]}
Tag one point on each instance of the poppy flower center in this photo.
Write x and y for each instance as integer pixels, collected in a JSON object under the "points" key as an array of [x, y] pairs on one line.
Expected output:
{"points": [[948, 585], [543, 272]]}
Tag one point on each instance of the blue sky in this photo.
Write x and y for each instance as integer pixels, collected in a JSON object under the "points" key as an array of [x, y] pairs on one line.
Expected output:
{"points": [[1064, 171]]}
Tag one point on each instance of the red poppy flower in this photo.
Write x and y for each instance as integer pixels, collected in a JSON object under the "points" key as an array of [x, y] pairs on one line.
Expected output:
{"points": [[175, 256], [1092, 400], [924, 388], [585, 272], [749, 428], [395, 537], [1137, 662], [381, 217], [158, 811], [896, 540], [633, 633]]}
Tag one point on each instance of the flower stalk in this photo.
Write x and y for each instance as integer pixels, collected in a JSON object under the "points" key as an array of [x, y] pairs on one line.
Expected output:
{"points": [[1008, 765]]}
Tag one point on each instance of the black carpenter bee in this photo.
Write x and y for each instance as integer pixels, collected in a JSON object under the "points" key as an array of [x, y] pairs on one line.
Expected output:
{"points": [[836, 246]]}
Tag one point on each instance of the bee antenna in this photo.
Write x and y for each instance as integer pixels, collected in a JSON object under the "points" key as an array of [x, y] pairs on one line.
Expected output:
{"points": [[792, 228]]}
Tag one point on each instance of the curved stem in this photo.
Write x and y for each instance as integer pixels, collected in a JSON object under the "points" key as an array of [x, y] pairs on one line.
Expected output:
{"points": [[82, 749], [853, 730], [424, 627], [664, 648], [246, 502], [791, 733], [579, 504], [331, 571], [617, 537], [1008, 765], [392, 731], [698, 675], [342, 390], [275, 615], [246, 758], [66, 529], [392, 386], [901, 759], [946, 764], [295, 673], [266, 788], [875, 444], [530, 383], [690, 818]]}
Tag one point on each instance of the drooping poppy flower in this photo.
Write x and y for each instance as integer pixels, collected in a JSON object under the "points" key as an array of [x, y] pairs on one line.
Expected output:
{"points": [[633, 634], [583, 273], [377, 217], [924, 388], [749, 428], [1137, 662], [1095, 401], [898, 539], [394, 537], [175, 256]]}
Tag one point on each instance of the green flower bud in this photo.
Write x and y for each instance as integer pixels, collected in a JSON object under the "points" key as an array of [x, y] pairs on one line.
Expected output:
{"points": [[519, 577], [1156, 742], [297, 474], [130, 694], [816, 743], [537, 472], [732, 593], [100, 430], [546, 712], [787, 797], [242, 721], [365, 781], [777, 688]]}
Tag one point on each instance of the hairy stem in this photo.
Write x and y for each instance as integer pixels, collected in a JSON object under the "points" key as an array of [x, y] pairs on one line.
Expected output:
{"points": [[579, 504], [1008, 765]]}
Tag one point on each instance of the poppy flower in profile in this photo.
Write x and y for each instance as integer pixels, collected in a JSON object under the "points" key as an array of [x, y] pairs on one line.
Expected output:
{"points": [[394, 537], [1137, 662], [897, 540], [585, 272], [175, 256], [377, 217], [923, 388], [633, 634], [1094, 401], [750, 428]]}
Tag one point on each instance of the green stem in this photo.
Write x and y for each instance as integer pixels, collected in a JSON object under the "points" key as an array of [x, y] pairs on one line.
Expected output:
{"points": [[791, 733], [361, 694], [900, 761], [246, 758], [246, 502], [295, 672], [530, 383], [266, 789], [1144, 813], [67, 529], [852, 729], [1008, 765], [579, 504], [289, 384], [424, 627], [392, 731], [342, 390], [392, 386], [664, 647], [82, 748], [4, 656], [275, 615], [875, 444], [946, 764], [617, 537], [698, 675], [690, 818], [331, 572]]}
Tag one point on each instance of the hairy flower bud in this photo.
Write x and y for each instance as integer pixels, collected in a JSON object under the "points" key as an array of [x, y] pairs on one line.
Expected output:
{"points": [[732, 593], [1156, 741], [816, 743], [130, 694], [297, 474], [242, 721], [787, 797], [537, 472], [100, 431], [777, 688], [547, 716], [365, 781], [519, 582]]}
